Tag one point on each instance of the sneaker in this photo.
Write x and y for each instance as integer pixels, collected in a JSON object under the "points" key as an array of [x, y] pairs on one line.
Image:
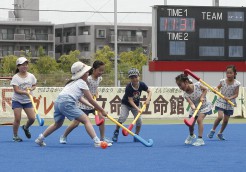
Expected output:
{"points": [[40, 141], [115, 137], [27, 132], [211, 134], [98, 144], [17, 139], [198, 142], [220, 136], [189, 139], [63, 140], [109, 141]]}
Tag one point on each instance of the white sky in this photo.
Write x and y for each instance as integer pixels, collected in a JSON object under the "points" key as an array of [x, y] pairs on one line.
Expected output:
{"points": [[107, 6]]}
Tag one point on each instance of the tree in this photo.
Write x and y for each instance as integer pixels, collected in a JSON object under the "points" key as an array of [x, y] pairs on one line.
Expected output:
{"points": [[66, 61], [46, 65], [8, 64], [105, 55], [41, 52], [135, 59]]}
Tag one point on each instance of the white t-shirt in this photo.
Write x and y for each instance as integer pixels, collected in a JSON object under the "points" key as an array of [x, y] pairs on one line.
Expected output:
{"points": [[23, 84], [74, 89], [93, 84]]}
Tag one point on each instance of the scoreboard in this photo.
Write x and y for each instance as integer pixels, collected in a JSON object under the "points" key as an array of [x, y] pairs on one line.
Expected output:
{"points": [[200, 33]]}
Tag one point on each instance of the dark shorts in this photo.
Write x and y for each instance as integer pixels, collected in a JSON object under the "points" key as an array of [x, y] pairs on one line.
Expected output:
{"points": [[87, 112], [16, 104], [226, 112], [207, 113]]}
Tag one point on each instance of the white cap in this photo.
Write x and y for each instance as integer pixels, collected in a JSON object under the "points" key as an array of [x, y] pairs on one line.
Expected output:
{"points": [[21, 60], [78, 69]]}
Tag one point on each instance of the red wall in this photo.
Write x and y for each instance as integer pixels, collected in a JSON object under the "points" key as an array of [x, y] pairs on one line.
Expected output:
{"points": [[208, 66]]}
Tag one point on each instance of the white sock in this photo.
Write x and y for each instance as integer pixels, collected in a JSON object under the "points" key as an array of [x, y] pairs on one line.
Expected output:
{"points": [[41, 136], [96, 139]]}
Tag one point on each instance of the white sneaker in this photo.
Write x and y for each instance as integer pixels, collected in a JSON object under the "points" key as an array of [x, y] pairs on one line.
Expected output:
{"points": [[98, 144], [40, 141], [109, 141], [198, 142], [189, 139], [63, 140]]}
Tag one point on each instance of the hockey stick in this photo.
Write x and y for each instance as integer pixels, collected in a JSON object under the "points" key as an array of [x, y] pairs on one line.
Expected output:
{"points": [[189, 122], [97, 118], [40, 120], [7, 123], [148, 143], [188, 72], [124, 132]]}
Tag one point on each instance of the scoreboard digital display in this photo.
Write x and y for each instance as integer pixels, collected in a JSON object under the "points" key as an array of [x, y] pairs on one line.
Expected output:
{"points": [[198, 33]]}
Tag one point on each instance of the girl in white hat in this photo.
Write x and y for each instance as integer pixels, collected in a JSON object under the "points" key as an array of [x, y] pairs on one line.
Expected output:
{"points": [[93, 81], [66, 104]]}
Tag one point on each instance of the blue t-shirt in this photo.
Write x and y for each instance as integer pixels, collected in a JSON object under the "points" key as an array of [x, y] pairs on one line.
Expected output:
{"points": [[134, 93]]}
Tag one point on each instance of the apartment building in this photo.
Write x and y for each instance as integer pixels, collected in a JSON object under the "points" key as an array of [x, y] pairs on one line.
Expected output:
{"points": [[25, 37], [88, 37], [22, 33]]}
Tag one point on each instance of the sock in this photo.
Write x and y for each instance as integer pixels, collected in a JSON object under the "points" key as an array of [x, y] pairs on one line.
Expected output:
{"points": [[41, 136], [96, 139], [200, 137]]}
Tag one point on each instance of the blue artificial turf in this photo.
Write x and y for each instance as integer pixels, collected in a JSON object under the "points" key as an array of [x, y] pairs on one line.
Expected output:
{"points": [[167, 154]]}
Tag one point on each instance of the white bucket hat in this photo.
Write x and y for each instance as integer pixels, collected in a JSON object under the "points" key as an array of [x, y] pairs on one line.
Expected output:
{"points": [[21, 60], [78, 69]]}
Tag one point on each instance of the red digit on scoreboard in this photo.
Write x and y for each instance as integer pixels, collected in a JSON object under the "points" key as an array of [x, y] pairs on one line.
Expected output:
{"points": [[183, 24]]}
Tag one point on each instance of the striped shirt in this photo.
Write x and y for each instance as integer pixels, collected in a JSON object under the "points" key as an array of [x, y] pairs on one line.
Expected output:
{"points": [[74, 89]]}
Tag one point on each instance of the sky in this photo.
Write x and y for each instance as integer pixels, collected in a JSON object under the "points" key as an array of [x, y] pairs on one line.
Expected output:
{"points": [[131, 6]]}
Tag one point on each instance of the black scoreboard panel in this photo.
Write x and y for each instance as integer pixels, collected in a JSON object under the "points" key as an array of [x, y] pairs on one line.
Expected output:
{"points": [[191, 33]]}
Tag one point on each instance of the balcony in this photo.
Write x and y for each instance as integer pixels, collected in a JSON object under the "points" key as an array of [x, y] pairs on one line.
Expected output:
{"points": [[127, 39], [85, 54], [26, 37], [85, 38], [34, 54], [70, 39], [58, 40]]}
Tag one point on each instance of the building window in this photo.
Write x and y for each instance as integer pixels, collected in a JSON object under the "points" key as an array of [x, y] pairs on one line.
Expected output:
{"points": [[99, 47], [101, 33], [86, 48], [144, 33]]}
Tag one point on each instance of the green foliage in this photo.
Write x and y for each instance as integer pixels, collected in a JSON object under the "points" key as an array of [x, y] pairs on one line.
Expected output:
{"points": [[41, 51], [46, 65], [135, 59], [8, 64], [66, 61], [105, 55], [52, 73], [32, 68]]}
